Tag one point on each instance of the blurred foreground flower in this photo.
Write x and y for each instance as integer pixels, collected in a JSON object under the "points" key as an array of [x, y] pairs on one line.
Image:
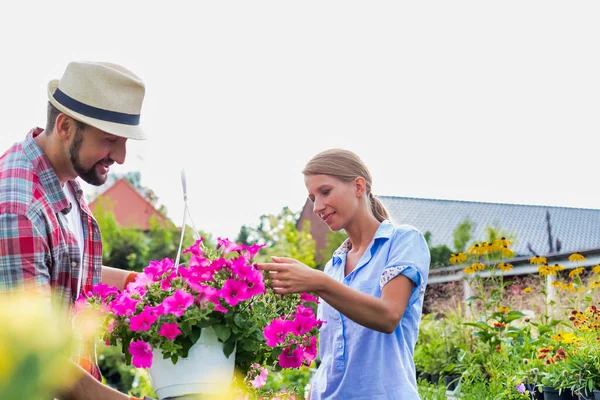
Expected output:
{"points": [[35, 344]]}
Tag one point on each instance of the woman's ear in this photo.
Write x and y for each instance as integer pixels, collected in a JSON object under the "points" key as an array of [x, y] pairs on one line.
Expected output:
{"points": [[360, 186]]}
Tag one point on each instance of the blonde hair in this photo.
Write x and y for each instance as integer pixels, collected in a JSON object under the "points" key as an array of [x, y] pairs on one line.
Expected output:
{"points": [[346, 166]]}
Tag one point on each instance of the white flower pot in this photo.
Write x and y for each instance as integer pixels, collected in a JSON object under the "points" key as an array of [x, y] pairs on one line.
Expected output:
{"points": [[206, 370]]}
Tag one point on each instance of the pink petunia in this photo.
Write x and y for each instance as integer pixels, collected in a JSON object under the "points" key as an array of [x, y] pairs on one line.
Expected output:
{"points": [[234, 291], [104, 290], [291, 358], [143, 321], [310, 350], [228, 246], [142, 354], [261, 378], [242, 269], [304, 311], [308, 298], [170, 331], [256, 284], [276, 332], [301, 325], [177, 303], [196, 248], [124, 305], [249, 252], [157, 269]]}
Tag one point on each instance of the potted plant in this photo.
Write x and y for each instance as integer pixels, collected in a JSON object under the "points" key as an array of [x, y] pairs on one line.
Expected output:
{"points": [[192, 325]]}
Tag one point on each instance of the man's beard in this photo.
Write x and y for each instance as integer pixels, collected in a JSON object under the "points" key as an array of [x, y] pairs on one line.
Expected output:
{"points": [[87, 174]]}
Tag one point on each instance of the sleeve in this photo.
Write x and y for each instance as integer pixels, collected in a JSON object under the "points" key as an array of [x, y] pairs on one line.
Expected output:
{"points": [[22, 255], [408, 256]]}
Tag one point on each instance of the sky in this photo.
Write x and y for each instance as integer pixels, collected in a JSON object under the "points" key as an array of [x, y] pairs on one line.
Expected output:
{"points": [[466, 100]]}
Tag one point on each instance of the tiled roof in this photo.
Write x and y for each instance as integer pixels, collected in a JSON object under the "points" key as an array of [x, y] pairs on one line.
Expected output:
{"points": [[576, 228]]}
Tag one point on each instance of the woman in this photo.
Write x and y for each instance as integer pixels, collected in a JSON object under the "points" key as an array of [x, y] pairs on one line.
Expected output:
{"points": [[371, 291]]}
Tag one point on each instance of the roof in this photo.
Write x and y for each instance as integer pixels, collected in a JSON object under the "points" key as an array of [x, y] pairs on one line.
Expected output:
{"points": [[130, 208], [576, 228]]}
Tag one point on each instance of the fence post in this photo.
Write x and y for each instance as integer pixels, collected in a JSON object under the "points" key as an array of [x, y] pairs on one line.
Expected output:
{"points": [[467, 292]]}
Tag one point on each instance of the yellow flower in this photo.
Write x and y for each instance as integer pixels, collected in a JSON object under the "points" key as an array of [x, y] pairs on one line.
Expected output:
{"points": [[473, 249], [596, 269], [595, 285], [576, 257], [478, 267], [575, 272], [545, 270], [557, 284], [469, 270], [527, 290], [504, 241], [570, 287], [537, 260], [506, 252], [505, 267], [566, 337], [503, 309], [557, 268], [458, 258]]}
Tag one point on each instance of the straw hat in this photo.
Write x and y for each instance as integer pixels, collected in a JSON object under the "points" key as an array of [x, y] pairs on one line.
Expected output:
{"points": [[103, 95]]}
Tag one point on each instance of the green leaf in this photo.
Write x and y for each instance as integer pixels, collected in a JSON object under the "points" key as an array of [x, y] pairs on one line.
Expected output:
{"points": [[174, 358], [473, 298], [223, 332], [228, 347], [195, 334]]}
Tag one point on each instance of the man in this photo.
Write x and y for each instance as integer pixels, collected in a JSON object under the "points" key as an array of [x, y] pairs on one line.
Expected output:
{"points": [[49, 240]]}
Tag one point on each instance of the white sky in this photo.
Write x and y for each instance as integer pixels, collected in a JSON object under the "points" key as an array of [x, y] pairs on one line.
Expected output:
{"points": [[469, 100]]}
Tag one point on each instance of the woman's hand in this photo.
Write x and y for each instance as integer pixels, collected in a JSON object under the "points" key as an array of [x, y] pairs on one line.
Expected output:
{"points": [[291, 276]]}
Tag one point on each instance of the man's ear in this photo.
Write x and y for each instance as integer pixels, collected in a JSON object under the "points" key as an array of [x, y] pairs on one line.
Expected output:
{"points": [[360, 186], [65, 127]]}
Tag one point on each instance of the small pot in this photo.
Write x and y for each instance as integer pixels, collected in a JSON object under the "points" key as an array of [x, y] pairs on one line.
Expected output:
{"points": [[435, 379], [596, 394], [451, 381], [552, 394]]}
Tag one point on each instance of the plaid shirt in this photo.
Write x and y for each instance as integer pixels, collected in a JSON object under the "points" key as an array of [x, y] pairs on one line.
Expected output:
{"points": [[36, 247]]}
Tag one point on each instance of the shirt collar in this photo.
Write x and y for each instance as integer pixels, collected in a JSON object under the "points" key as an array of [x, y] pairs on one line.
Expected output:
{"points": [[45, 173], [385, 231]]}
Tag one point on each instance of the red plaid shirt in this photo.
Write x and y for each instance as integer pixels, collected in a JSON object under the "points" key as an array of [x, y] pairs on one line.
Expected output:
{"points": [[36, 247]]}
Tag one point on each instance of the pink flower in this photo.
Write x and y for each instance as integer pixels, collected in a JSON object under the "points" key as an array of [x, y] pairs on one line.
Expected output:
{"points": [[256, 284], [80, 304], [310, 351], [305, 311], [250, 251], [228, 246], [157, 269], [261, 378], [276, 332], [242, 269], [291, 358], [195, 249], [112, 324], [170, 331], [301, 325], [234, 291], [177, 303], [124, 305], [142, 354], [143, 321], [308, 298], [104, 290]]}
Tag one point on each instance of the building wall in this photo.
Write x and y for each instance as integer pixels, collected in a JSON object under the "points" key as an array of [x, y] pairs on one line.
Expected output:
{"points": [[130, 209], [319, 229]]}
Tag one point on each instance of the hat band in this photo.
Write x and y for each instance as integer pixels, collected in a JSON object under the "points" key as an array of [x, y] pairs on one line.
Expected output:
{"points": [[94, 112]]}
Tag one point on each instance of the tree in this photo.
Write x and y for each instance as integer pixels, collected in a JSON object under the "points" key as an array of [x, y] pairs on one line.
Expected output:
{"points": [[462, 235], [281, 237], [333, 241], [439, 254]]}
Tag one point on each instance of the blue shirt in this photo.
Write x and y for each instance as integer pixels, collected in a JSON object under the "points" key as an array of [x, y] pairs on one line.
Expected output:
{"points": [[361, 363]]}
